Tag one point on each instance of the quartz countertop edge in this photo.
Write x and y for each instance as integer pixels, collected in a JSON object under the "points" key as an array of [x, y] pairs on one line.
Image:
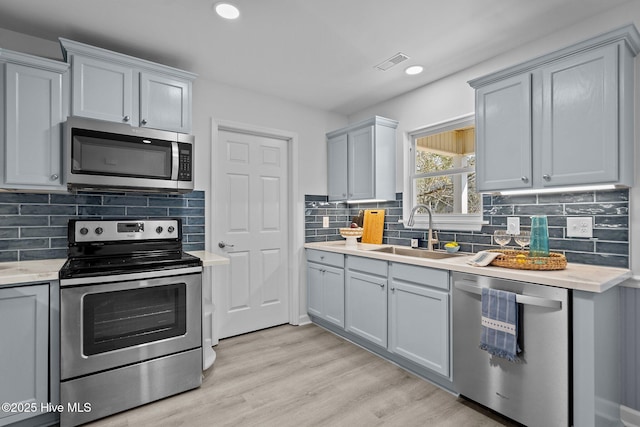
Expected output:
{"points": [[16, 272], [209, 258], [582, 277]]}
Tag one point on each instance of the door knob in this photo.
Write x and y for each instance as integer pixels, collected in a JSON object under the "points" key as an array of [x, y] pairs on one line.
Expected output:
{"points": [[223, 245]]}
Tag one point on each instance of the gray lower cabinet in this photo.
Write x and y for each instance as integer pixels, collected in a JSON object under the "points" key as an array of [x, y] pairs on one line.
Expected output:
{"points": [[366, 299], [24, 353], [33, 110], [419, 315], [325, 286]]}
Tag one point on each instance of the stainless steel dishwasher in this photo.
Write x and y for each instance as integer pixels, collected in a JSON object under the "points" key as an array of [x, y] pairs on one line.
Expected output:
{"points": [[534, 391]]}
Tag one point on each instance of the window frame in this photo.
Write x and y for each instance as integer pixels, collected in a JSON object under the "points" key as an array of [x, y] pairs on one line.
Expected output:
{"points": [[453, 222]]}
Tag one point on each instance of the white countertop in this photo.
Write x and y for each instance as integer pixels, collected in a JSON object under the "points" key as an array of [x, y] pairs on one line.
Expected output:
{"points": [[209, 258], [583, 277], [30, 271], [47, 270]]}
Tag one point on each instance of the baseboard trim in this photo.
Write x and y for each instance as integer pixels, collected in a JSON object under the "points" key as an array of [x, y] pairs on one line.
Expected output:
{"points": [[304, 319], [629, 417]]}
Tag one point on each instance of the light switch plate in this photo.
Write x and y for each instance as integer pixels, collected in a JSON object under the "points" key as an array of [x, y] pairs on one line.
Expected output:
{"points": [[513, 225], [579, 226], [325, 222]]}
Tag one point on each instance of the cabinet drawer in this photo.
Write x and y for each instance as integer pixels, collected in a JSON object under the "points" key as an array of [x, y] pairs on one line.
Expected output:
{"points": [[367, 265], [420, 275], [328, 258]]}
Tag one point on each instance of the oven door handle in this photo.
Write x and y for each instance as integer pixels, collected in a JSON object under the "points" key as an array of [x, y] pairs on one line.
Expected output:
{"points": [[520, 298]]}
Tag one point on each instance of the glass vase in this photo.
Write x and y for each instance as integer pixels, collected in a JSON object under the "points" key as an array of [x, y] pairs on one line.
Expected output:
{"points": [[539, 246]]}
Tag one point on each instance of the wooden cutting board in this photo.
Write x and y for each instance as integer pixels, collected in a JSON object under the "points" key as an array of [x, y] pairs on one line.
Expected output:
{"points": [[373, 226]]}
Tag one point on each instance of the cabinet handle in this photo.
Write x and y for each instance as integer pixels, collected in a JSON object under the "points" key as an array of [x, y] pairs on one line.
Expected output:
{"points": [[126, 118], [546, 177], [344, 194], [54, 177], [144, 121], [381, 285], [524, 179]]}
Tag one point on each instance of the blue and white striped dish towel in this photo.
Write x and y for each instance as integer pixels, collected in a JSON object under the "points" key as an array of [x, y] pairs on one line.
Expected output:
{"points": [[500, 324]]}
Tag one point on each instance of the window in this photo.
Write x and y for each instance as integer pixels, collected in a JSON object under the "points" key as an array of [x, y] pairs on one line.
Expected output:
{"points": [[442, 165]]}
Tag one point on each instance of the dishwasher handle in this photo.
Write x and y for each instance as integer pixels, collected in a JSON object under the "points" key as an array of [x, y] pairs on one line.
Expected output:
{"points": [[520, 299]]}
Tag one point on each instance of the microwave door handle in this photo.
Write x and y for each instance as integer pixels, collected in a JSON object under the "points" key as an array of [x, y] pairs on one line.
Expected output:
{"points": [[175, 161]]}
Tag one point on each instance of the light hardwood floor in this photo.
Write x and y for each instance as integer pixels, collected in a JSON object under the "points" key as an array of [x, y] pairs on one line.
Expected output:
{"points": [[305, 376]]}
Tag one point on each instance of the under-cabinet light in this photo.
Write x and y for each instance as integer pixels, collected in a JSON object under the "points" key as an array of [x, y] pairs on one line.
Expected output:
{"points": [[557, 190]]}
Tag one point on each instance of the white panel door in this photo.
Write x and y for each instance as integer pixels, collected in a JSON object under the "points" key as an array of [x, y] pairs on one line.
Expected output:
{"points": [[250, 208]]}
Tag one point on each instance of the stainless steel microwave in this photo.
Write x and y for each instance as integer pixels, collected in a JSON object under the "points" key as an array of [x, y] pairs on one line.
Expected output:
{"points": [[103, 155]]}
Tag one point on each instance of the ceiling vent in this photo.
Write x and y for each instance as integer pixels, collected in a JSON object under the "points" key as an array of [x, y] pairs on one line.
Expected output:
{"points": [[392, 62]]}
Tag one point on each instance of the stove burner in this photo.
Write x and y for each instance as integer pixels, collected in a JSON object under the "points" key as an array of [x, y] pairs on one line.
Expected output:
{"points": [[120, 248]]}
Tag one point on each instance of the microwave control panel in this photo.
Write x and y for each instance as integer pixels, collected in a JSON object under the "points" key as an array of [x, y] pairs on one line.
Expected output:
{"points": [[184, 164]]}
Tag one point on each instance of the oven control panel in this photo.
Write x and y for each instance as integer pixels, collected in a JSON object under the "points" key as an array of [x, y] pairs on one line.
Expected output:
{"points": [[126, 230]]}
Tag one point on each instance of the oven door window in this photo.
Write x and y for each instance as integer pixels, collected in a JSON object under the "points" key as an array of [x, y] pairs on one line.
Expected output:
{"points": [[121, 319]]}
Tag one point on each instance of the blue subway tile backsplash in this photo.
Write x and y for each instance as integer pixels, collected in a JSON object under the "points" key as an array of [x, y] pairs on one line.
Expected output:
{"points": [[34, 226], [609, 210]]}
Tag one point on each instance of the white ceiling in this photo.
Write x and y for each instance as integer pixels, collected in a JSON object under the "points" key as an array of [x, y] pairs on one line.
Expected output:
{"points": [[319, 53]]}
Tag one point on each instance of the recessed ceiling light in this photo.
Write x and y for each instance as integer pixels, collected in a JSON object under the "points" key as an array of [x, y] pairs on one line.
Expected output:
{"points": [[227, 10], [413, 70]]}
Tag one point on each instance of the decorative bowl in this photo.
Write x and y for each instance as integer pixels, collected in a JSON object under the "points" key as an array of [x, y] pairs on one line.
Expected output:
{"points": [[452, 249], [351, 234]]}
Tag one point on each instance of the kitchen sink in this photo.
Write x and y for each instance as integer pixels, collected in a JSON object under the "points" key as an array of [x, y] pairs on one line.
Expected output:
{"points": [[418, 253]]}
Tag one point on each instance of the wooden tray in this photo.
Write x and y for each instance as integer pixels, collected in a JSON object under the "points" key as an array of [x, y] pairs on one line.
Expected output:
{"points": [[522, 261]]}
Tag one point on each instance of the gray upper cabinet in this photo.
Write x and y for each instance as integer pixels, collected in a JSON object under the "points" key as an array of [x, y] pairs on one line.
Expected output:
{"points": [[115, 87], [503, 129], [102, 90], [361, 161], [24, 333], [34, 106], [564, 119]]}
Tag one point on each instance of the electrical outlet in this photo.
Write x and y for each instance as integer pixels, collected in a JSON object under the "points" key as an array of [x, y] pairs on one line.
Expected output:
{"points": [[578, 226], [325, 222], [513, 225]]}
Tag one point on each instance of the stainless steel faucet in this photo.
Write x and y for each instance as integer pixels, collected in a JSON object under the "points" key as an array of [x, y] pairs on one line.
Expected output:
{"points": [[430, 239]]}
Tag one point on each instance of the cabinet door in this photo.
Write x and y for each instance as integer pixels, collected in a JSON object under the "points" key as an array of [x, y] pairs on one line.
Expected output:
{"points": [[361, 146], [503, 134], [333, 295], [33, 105], [102, 90], [24, 354], [419, 325], [314, 289], [337, 167], [580, 119], [366, 307], [165, 103]]}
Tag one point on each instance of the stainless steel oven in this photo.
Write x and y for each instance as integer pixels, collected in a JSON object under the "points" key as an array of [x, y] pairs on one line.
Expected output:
{"points": [[130, 317]]}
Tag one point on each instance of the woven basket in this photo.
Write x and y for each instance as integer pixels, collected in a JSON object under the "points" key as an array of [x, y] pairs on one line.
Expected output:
{"points": [[510, 259]]}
